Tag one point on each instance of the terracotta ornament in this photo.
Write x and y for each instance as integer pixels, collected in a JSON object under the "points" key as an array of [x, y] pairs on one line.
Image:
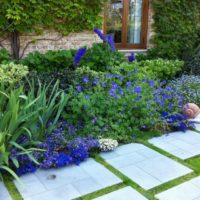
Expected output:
{"points": [[191, 110]]}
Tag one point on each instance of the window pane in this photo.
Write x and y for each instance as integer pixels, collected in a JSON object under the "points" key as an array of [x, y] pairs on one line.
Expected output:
{"points": [[114, 19], [135, 21]]}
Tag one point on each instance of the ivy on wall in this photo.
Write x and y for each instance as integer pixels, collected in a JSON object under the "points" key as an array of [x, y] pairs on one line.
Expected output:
{"points": [[177, 28], [66, 16]]}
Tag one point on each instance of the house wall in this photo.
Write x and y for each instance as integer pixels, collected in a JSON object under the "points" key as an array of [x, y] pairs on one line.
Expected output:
{"points": [[54, 41]]}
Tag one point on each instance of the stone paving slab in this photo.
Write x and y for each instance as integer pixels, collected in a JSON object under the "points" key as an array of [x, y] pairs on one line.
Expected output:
{"points": [[197, 126], [66, 183], [144, 166], [183, 145], [4, 194], [127, 193], [189, 190]]}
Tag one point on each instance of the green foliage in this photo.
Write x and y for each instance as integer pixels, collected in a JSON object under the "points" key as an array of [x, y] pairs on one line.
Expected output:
{"points": [[177, 28], [50, 61], [4, 56], [100, 58], [63, 15], [192, 65], [12, 73], [160, 68], [154, 69], [27, 115]]}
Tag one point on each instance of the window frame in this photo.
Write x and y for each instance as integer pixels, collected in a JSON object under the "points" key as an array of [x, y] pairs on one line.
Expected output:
{"points": [[144, 28]]}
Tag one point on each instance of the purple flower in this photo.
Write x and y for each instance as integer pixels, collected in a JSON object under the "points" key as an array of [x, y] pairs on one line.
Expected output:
{"points": [[85, 80], [129, 83], [131, 57], [79, 54], [79, 88], [100, 34], [111, 42], [137, 89]]}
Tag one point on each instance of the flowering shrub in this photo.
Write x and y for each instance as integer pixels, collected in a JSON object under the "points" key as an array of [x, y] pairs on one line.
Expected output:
{"points": [[100, 57], [107, 144], [121, 103], [188, 87]]}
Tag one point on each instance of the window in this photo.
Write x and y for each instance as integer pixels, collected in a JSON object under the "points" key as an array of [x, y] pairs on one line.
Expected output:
{"points": [[127, 20]]}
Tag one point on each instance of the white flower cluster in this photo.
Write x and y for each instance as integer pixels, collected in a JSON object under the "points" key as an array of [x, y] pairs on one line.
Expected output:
{"points": [[107, 144]]}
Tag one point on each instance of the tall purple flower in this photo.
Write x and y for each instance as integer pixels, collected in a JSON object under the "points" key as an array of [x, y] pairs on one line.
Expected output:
{"points": [[79, 54], [100, 34], [111, 42], [131, 57]]}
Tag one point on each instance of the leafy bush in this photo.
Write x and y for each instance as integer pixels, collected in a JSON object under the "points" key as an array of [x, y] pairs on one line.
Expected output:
{"points": [[4, 56], [50, 61], [12, 73], [118, 106], [100, 58], [162, 69], [192, 65], [177, 28], [188, 87]]}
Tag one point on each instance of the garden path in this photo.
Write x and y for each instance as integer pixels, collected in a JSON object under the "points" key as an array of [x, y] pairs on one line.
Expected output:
{"points": [[142, 165]]}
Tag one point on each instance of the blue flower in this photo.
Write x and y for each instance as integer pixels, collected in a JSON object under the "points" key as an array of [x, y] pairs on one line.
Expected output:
{"points": [[137, 89], [111, 42], [129, 83], [79, 88], [100, 34], [85, 80], [79, 54], [131, 57]]}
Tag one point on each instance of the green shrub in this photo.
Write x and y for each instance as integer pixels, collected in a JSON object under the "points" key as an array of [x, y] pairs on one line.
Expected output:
{"points": [[4, 56], [100, 58], [160, 68], [12, 73], [192, 65], [50, 61], [176, 27]]}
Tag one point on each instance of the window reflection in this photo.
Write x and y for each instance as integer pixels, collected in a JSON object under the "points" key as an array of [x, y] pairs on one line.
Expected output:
{"points": [[114, 19]]}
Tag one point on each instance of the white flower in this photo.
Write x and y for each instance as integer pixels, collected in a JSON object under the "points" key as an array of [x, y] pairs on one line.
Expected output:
{"points": [[107, 144]]}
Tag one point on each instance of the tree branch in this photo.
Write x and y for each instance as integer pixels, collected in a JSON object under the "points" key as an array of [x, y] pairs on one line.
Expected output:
{"points": [[32, 41]]}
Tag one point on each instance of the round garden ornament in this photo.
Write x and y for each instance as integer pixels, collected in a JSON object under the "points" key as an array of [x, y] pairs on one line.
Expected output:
{"points": [[191, 110]]}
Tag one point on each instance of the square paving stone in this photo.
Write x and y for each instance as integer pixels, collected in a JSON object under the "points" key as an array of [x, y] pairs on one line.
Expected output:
{"points": [[4, 194], [189, 190], [183, 145], [126, 193], [145, 166], [197, 126], [67, 182]]}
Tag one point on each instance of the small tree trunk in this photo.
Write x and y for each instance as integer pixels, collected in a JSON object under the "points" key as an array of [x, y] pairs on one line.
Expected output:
{"points": [[15, 45]]}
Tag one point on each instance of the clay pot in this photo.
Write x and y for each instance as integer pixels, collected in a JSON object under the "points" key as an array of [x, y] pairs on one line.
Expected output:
{"points": [[191, 110]]}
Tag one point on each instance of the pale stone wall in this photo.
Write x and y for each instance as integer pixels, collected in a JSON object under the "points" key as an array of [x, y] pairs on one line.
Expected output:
{"points": [[150, 32], [72, 41]]}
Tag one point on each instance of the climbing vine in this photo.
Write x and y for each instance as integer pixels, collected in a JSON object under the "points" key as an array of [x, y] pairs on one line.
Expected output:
{"points": [[19, 16]]}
